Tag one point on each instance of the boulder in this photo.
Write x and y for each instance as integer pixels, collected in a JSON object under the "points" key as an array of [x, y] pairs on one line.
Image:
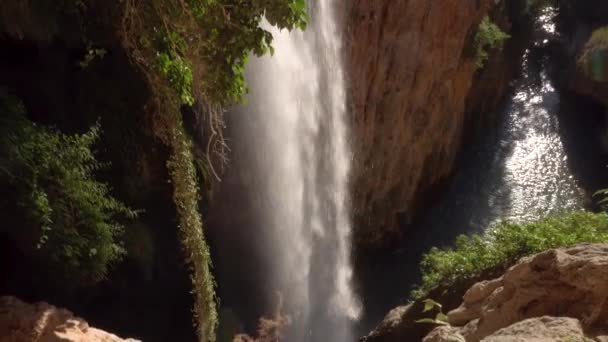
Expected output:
{"points": [[23, 322], [556, 295], [569, 282], [540, 329]]}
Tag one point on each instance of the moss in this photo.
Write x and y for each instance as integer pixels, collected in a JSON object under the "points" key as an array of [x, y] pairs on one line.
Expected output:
{"points": [[503, 245], [186, 195]]}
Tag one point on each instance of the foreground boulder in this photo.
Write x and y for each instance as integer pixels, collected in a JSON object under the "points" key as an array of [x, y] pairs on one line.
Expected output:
{"points": [[541, 329], [23, 322], [557, 295], [570, 282]]}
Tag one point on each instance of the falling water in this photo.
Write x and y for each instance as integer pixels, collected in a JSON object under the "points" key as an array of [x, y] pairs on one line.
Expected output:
{"points": [[295, 119]]}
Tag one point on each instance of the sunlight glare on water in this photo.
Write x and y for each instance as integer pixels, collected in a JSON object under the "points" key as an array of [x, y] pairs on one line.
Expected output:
{"points": [[536, 171]]}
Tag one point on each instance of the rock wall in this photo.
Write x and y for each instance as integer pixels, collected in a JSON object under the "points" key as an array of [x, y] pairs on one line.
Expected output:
{"points": [[413, 81]]}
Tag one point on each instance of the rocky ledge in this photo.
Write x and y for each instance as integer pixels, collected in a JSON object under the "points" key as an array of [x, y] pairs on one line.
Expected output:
{"points": [[556, 295], [23, 322]]}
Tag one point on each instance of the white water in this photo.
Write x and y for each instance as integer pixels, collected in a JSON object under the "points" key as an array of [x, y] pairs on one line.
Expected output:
{"points": [[296, 120]]}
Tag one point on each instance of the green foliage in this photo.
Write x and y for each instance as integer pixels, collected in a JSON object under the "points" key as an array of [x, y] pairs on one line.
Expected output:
{"points": [[185, 195], [440, 318], [179, 74], [203, 45], [489, 36], [603, 193], [75, 218], [235, 31], [504, 244]]}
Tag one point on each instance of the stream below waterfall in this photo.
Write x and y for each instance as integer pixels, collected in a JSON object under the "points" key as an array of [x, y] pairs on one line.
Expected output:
{"points": [[539, 158]]}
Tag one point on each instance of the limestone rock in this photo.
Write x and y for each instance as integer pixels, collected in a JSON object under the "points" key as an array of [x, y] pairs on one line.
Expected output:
{"points": [[541, 329], [569, 282], [556, 295], [444, 334], [23, 322]]}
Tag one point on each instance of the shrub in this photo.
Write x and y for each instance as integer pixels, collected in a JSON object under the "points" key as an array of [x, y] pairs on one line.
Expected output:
{"points": [[74, 217], [504, 244], [489, 36]]}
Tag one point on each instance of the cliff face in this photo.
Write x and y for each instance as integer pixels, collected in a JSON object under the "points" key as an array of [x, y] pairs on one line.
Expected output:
{"points": [[412, 75]]}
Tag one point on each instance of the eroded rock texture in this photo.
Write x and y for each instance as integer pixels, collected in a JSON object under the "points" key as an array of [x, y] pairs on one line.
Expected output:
{"points": [[551, 296], [566, 282], [23, 322], [540, 329], [570, 282]]}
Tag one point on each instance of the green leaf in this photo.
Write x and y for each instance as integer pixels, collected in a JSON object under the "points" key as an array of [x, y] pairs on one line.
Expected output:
{"points": [[601, 192], [430, 304], [442, 317]]}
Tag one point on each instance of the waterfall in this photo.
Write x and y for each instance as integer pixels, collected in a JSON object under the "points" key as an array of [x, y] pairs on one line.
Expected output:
{"points": [[294, 124]]}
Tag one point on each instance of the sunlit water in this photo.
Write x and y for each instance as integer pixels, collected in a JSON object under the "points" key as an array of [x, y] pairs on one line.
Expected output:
{"points": [[294, 125]]}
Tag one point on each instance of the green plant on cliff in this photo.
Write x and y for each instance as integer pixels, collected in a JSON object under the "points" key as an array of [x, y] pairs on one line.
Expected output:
{"points": [[488, 36], [594, 57], [75, 220], [503, 245], [202, 46]]}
